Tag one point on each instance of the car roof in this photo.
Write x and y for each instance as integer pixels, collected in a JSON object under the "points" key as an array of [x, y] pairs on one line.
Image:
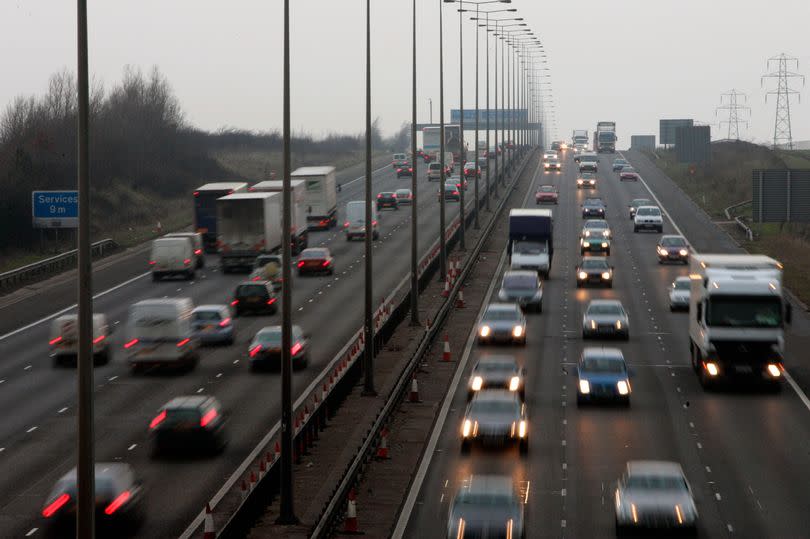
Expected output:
{"points": [[683, 278], [593, 222], [521, 273], [602, 352], [595, 259], [593, 201], [186, 402], [103, 470], [605, 302], [277, 328], [502, 360], [654, 467], [502, 307], [496, 395], [649, 206], [489, 484], [671, 236]]}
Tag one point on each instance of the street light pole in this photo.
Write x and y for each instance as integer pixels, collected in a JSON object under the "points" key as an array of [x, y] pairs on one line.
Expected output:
{"points": [[414, 199], [368, 353], [489, 192], [477, 115], [442, 246], [463, 229]]}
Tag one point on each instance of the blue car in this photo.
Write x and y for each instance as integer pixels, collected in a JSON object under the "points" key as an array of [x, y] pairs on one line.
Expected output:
{"points": [[212, 324], [602, 375]]}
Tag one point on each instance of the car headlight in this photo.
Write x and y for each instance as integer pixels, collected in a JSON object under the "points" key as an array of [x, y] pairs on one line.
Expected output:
{"points": [[485, 331], [773, 370], [606, 234], [678, 513], [712, 368], [582, 275], [522, 428], [517, 331], [683, 252], [586, 243], [593, 324], [662, 251], [593, 182], [477, 383], [604, 245], [623, 387], [587, 233], [618, 324], [606, 275], [466, 429], [584, 387], [579, 182], [514, 383]]}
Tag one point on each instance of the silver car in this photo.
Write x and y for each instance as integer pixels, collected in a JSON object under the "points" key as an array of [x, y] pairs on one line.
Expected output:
{"points": [[213, 325], [679, 294], [654, 494], [504, 322], [524, 288], [596, 229], [495, 417], [487, 504], [605, 318], [496, 372]]}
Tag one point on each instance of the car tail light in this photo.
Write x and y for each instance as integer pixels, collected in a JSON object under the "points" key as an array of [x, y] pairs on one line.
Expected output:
{"points": [[399, 170], [196, 193], [374, 223], [225, 323], [296, 348], [300, 263], [326, 263], [255, 350], [256, 278], [234, 303], [197, 251], [379, 196], [455, 192], [116, 504], [346, 224], [152, 262], [187, 261], [98, 339], [183, 342], [131, 343], [208, 417], [410, 169], [55, 505], [271, 301], [55, 341], [158, 419]]}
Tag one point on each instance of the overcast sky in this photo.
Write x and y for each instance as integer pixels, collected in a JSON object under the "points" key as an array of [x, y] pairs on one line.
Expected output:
{"points": [[631, 61]]}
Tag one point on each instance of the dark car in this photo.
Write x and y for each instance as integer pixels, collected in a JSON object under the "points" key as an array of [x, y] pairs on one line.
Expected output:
{"points": [[619, 163], [594, 270], [265, 348], [496, 372], [495, 416], [451, 192], [118, 499], [593, 207], [404, 171], [487, 506], [586, 180], [387, 199], [255, 297], [524, 288], [602, 375], [315, 260], [672, 248], [188, 424]]}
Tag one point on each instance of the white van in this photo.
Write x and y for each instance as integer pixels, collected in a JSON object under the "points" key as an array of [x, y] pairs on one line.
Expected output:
{"points": [[355, 224], [196, 242], [160, 333], [64, 339], [172, 256]]}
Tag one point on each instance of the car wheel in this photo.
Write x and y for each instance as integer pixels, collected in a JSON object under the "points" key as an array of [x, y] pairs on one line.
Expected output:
{"points": [[584, 335], [626, 336], [607, 252], [610, 284], [540, 307], [580, 400], [465, 447], [660, 230], [523, 447]]}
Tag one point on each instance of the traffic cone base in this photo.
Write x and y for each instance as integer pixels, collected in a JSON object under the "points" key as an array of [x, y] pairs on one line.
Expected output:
{"points": [[414, 396], [382, 449], [446, 352], [208, 531]]}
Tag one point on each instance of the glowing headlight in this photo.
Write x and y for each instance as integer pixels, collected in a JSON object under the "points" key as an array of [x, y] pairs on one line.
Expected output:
{"points": [[584, 387], [467, 428], [662, 251], [582, 275], [593, 182], [517, 331], [618, 324], [712, 369], [604, 245], [593, 324], [606, 275], [678, 514], [579, 182], [623, 387], [485, 331], [477, 383], [514, 383], [773, 370], [522, 428], [586, 243], [683, 252], [606, 233], [587, 233]]}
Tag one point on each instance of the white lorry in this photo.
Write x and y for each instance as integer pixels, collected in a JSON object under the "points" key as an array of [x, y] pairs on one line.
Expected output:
{"points": [[320, 200], [249, 225], [299, 235], [737, 315]]}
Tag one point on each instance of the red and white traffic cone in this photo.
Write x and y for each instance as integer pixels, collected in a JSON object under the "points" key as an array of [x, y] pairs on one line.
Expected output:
{"points": [[350, 525], [382, 449], [446, 352], [244, 490], [278, 451], [414, 396], [208, 530], [252, 480], [262, 469], [460, 298], [446, 291]]}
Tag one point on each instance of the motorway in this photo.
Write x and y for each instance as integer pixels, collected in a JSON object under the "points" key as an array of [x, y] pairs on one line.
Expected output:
{"points": [[745, 454], [37, 434]]}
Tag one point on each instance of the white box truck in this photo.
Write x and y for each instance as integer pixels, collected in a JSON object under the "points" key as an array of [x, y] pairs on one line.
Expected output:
{"points": [[249, 225], [737, 316], [299, 234], [320, 200]]}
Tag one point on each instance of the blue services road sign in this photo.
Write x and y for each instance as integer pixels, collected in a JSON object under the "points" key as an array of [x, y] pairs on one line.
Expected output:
{"points": [[55, 209]]}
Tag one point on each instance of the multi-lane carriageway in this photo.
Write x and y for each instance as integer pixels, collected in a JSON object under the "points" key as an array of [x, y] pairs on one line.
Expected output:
{"points": [[747, 455], [37, 432]]}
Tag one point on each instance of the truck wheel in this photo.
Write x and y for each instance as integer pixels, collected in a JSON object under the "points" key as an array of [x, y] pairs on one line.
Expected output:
{"points": [[155, 277], [190, 274]]}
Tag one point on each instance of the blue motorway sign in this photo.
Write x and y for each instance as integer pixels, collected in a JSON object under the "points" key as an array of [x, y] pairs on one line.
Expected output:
{"points": [[55, 209], [496, 116]]}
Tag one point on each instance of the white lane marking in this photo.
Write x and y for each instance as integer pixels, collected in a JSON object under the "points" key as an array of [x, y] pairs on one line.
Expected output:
{"points": [[2, 381], [63, 410], [112, 378], [133, 446], [730, 528], [563, 492], [67, 309], [32, 429], [717, 495], [200, 390], [31, 532], [27, 367], [373, 172], [708, 469], [219, 375], [699, 445], [2, 449]]}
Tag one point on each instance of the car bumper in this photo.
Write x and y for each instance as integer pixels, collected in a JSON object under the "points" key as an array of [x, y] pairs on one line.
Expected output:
{"points": [[215, 336], [605, 332], [673, 257], [650, 226]]}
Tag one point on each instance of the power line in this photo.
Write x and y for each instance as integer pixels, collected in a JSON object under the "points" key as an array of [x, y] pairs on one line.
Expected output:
{"points": [[730, 101], [782, 135]]}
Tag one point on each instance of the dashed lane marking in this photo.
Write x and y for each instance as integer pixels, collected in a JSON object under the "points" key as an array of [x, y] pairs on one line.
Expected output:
{"points": [[133, 446], [32, 429], [63, 410]]}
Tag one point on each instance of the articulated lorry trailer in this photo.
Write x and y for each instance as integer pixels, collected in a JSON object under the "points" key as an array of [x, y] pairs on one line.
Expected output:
{"points": [[605, 137], [249, 226], [205, 209], [737, 317]]}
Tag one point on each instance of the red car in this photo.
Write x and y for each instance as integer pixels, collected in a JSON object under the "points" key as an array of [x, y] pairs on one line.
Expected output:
{"points": [[471, 170], [546, 194], [628, 174], [315, 260]]}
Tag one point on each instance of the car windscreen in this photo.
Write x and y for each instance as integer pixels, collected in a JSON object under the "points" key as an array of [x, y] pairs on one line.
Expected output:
{"points": [[589, 158], [628, 169], [682, 285], [182, 415], [673, 242], [314, 253], [484, 499], [656, 482], [547, 188], [604, 309], [250, 290], [601, 364], [591, 203], [520, 282], [207, 316], [529, 247], [744, 311], [648, 211], [593, 263], [270, 337], [495, 407], [495, 366], [501, 314], [596, 224]]}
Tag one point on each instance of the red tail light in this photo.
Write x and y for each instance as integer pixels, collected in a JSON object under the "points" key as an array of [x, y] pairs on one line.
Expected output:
{"points": [[187, 261], [98, 339], [225, 323], [196, 193], [374, 223], [197, 251], [131, 343], [208, 417], [55, 505], [255, 350], [296, 348], [455, 192], [55, 341], [326, 263], [346, 224], [158, 419], [380, 195], [183, 343], [116, 504], [324, 222], [271, 301], [399, 170], [256, 278], [230, 192], [300, 263], [234, 303], [152, 262], [410, 169]]}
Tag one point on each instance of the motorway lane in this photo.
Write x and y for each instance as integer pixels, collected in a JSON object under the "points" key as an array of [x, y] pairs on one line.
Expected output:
{"points": [[32, 461], [745, 454]]}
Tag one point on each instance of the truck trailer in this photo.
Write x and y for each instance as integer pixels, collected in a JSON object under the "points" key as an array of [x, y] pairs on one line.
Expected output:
{"points": [[737, 317], [605, 137], [320, 197], [531, 240], [299, 235], [249, 225], [205, 209]]}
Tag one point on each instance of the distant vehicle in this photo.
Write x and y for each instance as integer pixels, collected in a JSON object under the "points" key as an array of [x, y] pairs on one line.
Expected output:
{"points": [[636, 203], [502, 322], [672, 248], [605, 137], [449, 162], [256, 297], [299, 235], [160, 334], [496, 372], [265, 348], [400, 160], [602, 375], [579, 138], [248, 227], [64, 339], [605, 318], [355, 224], [586, 180], [594, 270], [588, 162], [187, 425], [524, 288], [654, 494], [556, 146], [434, 172], [387, 199], [482, 162], [320, 198], [404, 196], [268, 268], [316, 260], [451, 192], [118, 501], [487, 505], [172, 256], [461, 183], [593, 207], [405, 171], [471, 170], [495, 415], [648, 218], [549, 155], [596, 229], [205, 209], [546, 193], [197, 244], [552, 164], [628, 173], [213, 325], [679, 294], [619, 163]]}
